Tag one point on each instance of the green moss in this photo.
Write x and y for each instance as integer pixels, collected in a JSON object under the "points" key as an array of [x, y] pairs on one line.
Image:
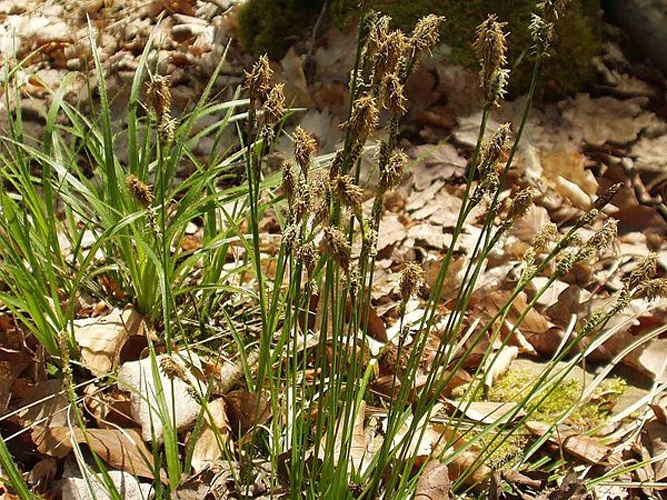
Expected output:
{"points": [[517, 383], [271, 25]]}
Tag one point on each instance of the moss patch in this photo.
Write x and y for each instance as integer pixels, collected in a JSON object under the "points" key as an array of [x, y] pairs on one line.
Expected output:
{"points": [[272, 25], [517, 383]]}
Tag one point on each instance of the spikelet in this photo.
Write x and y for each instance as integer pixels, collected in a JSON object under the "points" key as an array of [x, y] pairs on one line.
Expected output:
{"points": [[336, 246], [140, 191], [258, 78]]}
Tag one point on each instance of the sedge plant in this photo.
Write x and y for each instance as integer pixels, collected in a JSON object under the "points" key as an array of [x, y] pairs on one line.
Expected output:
{"points": [[307, 349]]}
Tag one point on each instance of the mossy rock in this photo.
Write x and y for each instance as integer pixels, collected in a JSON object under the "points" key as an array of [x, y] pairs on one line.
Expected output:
{"points": [[270, 26]]}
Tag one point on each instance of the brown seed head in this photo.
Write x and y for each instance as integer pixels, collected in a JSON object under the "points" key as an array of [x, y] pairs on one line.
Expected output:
{"points": [[643, 271], [520, 204], [496, 86], [426, 32], [363, 119], [553, 9], [167, 128], [289, 236], [493, 149], [158, 96], [393, 95], [274, 107], [391, 173], [542, 33], [490, 46], [605, 236], [257, 80], [349, 194], [308, 256], [336, 246], [548, 233], [565, 263], [377, 36], [389, 52], [289, 181], [606, 197], [305, 146], [141, 191], [336, 167], [652, 289], [411, 278], [172, 368]]}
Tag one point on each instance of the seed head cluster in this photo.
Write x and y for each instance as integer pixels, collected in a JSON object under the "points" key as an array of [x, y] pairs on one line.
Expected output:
{"points": [[491, 47], [140, 191]]}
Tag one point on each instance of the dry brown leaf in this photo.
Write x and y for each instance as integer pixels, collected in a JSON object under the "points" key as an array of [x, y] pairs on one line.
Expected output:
{"points": [[653, 360], [128, 486], [44, 404], [487, 412], [584, 448], [213, 435], [101, 339], [527, 226], [425, 439], [137, 378], [433, 484], [122, 449], [392, 231], [655, 440], [245, 410], [650, 154], [569, 167], [607, 119], [358, 445], [466, 464], [533, 323]]}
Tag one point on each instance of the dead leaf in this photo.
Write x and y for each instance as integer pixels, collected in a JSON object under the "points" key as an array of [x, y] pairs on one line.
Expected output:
{"points": [[358, 445], [127, 485], [137, 378], [245, 410], [45, 404], [433, 484], [486, 412], [214, 433], [101, 339], [607, 119], [654, 438], [584, 448], [122, 449]]}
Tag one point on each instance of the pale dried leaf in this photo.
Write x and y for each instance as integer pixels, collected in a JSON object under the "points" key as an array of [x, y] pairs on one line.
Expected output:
{"points": [[122, 449], [607, 119], [655, 440], [102, 338], [137, 378], [359, 460], [213, 435], [650, 154], [45, 404], [499, 364], [129, 487], [584, 448]]}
